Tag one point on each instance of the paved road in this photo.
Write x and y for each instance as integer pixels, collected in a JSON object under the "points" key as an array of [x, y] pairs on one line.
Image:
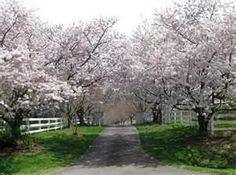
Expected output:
{"points": [[117, 151]]}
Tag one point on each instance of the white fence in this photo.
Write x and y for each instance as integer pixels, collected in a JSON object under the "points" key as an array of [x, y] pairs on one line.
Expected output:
{"points": [[168, 116], [219, 120], [35, 125], [190, 117], [142, 117], [175, 116]]}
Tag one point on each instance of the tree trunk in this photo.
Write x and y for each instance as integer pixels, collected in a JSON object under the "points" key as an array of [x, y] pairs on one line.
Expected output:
{"points": [[73, 126], [80, 114], [203, 126], [159, 113], [69, 121], [15, 132], [81, 120], [155, 115], [131, 120]]}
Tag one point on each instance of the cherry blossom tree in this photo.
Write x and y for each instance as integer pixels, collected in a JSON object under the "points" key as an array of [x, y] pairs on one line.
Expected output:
{"points": [[151, 68], [190, 56], [23, 80], [85, 56]]}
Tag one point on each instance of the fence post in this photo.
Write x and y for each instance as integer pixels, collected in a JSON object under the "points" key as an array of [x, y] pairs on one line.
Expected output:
{"points": [[99, 122], [28, 125], [181, 116], [56, 126], [175, 117], [39, 122], [61, 123], [168, 118], [211, 125], [48, 128], [190, 117]]}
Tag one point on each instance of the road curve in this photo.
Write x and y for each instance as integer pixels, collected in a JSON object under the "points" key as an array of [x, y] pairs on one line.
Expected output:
{"points": [[117, 151]]}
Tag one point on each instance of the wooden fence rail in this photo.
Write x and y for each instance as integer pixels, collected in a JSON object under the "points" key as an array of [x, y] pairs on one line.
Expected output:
{"points": [[215, 121], [36, 125], [175, 116], [189, 117]]}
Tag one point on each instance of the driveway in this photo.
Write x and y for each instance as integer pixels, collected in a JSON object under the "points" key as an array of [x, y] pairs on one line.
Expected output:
{"points": [[117, 151]]}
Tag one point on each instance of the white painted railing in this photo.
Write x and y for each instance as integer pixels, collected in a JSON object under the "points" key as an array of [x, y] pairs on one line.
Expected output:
{"points": [[175, 116], [215, 121], [35, 125]]}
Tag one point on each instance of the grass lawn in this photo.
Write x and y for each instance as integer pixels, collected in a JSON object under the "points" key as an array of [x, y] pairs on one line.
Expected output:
{"points": [[178, 145], [55, 149], [225, 124]]}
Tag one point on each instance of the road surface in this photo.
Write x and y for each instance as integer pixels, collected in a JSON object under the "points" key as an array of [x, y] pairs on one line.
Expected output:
{"points": [[117, 151]]}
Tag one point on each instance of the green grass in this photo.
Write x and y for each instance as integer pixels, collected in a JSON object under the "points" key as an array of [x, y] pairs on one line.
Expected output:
{"points": [[178, 145], [58, 149], [225, 124], [227, 112]]}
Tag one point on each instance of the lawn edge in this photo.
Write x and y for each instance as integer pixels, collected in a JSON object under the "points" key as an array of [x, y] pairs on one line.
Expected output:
{"points": [[62, 168], [181, 166]]}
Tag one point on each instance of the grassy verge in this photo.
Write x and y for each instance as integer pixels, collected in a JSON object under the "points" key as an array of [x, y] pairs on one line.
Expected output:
{"points": [[55, 149], [178, 145], [225, 124]]}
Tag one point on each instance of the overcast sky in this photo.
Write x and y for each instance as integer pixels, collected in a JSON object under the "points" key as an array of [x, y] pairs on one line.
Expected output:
{"points": [[129, 12]]}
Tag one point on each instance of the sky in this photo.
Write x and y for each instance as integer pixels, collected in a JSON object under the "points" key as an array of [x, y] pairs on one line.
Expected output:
{"points": [[129, 12]]}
